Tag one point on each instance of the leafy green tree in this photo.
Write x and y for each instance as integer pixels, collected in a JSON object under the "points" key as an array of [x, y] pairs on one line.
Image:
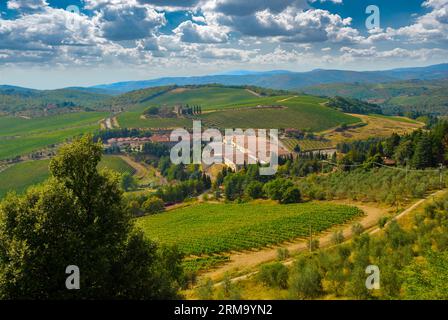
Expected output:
{"points": [[254, 190], [134, 207], [423, 157], [291, 195], [306, 279], [427, 277], [229, 290], [275, 189], [234, 186], [274, 275], [357, 284], [152, 111], [205, 289], [153, 205], [404, 152], [78, 217], [128, 182]]}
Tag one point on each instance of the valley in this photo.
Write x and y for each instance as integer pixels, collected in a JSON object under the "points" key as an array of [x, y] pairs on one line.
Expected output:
{"points": [[227, 223]]}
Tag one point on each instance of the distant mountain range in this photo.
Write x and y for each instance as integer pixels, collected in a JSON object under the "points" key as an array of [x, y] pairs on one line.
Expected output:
{"points": [[282, 79]]}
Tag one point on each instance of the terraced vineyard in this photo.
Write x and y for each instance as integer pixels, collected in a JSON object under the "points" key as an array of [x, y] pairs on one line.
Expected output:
{"points": [[215, 228], [306, 145]]}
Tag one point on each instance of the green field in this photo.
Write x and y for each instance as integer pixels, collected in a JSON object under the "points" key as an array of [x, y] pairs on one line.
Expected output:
{"points": [[207, 97], [234, 108], [131, 119], [399, 119], [215, 228], [299, 112], [20, 176], [19, 136]]}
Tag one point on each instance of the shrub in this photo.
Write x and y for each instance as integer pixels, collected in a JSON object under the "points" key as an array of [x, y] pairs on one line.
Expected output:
{"points": [[153, 205], [382, 222], [337, 237], [205, 289], [291, 195], [357, 229], [274, 275], [254, 190], [314, 244], [306, 280], [282, 254]]}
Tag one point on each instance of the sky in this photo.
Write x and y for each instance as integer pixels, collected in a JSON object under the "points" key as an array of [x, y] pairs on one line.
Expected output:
{"points": [[49, 44]]}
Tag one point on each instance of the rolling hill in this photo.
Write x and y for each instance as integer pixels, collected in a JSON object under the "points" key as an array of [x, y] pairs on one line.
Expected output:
{"points": [[424, 96], [231, 107], [18, 177], [30, 102], [286, 80]]}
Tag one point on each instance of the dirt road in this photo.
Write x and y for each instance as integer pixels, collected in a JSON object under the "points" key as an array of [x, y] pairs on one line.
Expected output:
{"points": [[142, 172], [241, 261]]}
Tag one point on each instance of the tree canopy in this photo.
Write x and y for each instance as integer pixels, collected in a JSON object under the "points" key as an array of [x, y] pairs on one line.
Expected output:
{"points": [[78, 217]]}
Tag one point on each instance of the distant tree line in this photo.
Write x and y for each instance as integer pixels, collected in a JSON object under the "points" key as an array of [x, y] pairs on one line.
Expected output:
{"points": [[105, 135], [248, 184], [420, 149], [351, 105]]}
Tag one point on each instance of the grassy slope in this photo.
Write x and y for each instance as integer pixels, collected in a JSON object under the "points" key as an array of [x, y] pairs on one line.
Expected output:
{"points": [[214, 228], [19, 136], [376, 126], [302, 112], [207, 97], [20, 176]]}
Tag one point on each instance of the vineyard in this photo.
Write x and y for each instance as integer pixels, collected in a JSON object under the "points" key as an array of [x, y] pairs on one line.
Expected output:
{"points": [[116, 164], [215, 228], [238, 108], [306, 145], [293, 112]]}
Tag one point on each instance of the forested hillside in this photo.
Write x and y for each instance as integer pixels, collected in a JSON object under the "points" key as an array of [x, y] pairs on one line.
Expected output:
{"points": [[404, 97], [29, 102]]}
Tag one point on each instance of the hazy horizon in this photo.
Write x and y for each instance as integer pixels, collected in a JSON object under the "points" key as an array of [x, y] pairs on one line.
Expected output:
{"points": [[223, 72]]}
